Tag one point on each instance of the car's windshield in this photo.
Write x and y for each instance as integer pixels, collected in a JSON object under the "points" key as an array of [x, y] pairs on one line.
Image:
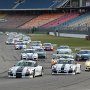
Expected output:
{"points": [[35, 44], [84, 52], [20, 43], [39, 50], [56, 57], [28, 51], [10, 40], [60, 52], [47, 44], [30, 64], [65, 61], [63, 47]]}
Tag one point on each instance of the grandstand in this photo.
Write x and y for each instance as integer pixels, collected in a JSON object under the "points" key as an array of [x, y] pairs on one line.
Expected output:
{"points": [[15, 20], [44, 14], [40, 20], [65, 17]]}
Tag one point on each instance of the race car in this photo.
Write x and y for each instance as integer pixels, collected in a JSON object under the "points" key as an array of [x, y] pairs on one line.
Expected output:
{"points": [[66, 66], [55, 57], [29, 54], [48, 47], [41, 53], [87, 65], [20, 45], [9, 41], [36, 42], [64, 49], [25, 68], [26, 39], [35, 46], [82, 55]]}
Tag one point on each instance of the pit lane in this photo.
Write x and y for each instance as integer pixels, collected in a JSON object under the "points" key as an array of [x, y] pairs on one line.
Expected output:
{"points": [[9, 56]]}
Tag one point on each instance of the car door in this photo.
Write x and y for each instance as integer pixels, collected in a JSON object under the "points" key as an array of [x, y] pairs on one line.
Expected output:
{"points": [[37, 69]]}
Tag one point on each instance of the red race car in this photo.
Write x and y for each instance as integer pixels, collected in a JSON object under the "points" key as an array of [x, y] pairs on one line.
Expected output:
{"points": [[48, 47]]}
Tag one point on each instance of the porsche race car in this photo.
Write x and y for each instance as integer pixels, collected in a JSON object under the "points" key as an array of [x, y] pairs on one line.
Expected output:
{"points": [[64, 49], [29, 54], [66, 66], [82, 55], [48, 47], [56, 57], [87, 65], [25, 68], [41, 53], [20, 45]]}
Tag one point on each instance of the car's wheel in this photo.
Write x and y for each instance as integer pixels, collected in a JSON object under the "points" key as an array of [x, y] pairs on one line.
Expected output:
{"points": [[34, 74], [42, 71], [21, 57], [74, 72], [80, 69]]}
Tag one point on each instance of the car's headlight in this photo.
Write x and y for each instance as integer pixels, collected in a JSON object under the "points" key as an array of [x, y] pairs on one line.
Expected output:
{"points": [[54, 67], [10, 70], [29, 71], [35, 55], [71, 67]]}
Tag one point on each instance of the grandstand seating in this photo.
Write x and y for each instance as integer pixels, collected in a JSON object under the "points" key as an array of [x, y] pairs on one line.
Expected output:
{"points": [[65, 17], [13, 21], [40, 20], [79, 21]]}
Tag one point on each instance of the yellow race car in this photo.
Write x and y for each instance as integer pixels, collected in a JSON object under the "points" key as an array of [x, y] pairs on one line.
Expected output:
{"points": [[87, 65]]}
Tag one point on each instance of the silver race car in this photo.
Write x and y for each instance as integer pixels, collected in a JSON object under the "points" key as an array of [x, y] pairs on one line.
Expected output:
{"points": [[66, 66], [29, 54], [25, 68], [41, 53]]}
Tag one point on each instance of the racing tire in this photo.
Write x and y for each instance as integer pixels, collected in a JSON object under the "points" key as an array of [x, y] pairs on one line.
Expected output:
{"points": [[33, 74], [42, 71], [74, 73], [21, 57]]}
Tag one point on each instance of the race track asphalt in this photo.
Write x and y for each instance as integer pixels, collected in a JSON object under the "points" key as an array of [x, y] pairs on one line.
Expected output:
{"points": [[9, 56]]}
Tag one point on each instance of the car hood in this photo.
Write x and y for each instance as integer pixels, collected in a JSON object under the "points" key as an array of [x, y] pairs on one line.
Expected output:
{"points": [[25, 54], [36, 47], [20, 69], [64, 66]]}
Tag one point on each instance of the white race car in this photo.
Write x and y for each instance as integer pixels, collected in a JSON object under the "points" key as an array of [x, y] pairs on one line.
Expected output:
{"points": [[29, 54], [24, 69], [64, 49], [26, 39], [66, 66], [20, 45], [55, 57], [9, 41]]}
